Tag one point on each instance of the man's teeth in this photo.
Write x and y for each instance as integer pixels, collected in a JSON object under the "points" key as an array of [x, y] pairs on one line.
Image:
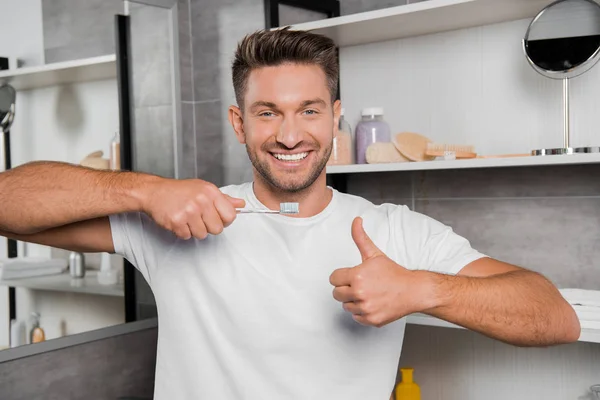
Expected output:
{"points": [[291, 157]]}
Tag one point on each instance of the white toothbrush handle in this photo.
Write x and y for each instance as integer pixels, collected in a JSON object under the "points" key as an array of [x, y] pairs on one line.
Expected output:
{"points": [[255, 211]]}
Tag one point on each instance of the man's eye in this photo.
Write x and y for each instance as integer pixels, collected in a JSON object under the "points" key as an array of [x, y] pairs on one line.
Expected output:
{"points": [[310, 112], [266, 114]]}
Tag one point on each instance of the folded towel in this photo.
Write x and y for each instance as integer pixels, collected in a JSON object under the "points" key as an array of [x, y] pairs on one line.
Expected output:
{"points": [[582, 297], [587, 313], [595, 325], [27, 267]]}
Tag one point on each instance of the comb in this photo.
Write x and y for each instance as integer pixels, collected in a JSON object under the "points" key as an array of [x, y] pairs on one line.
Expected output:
{"points": [[284, 208]]}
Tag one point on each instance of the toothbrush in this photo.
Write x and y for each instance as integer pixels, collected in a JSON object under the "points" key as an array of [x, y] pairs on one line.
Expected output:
{"points": [[284, 208]]}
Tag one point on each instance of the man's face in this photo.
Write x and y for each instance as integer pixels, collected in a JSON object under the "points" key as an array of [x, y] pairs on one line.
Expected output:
{"points": [[288, 124]]}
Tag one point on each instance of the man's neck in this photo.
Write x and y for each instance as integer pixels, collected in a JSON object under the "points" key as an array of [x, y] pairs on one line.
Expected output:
{"points": [[312, 200]]}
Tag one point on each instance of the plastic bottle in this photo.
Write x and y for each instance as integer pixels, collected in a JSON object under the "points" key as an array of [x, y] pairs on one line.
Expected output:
{"points": [[107, 275], [371, 129], [115, 153], [18, 333], [37, 334], [407, 389], [343, 150]]}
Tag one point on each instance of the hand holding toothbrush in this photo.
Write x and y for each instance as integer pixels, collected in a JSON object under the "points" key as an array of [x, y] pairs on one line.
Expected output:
{"points": [[195, 208], [189, 208]]}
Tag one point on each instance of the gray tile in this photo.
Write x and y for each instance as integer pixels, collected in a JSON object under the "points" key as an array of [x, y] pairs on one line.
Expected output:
{"points": [[217, 26], [79, 372], [77, 29], [147, 311], [558, 237], [206, 67], [143, 292], [289, 15], [153, 130], [188, 137], [78, 50], [185, 50], [381, 187], [151, 56], [357, 6], [568, 180], [209, 142]]}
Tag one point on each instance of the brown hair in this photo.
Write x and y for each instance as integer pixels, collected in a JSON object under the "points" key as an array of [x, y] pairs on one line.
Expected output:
{"points": [[276, 47]]}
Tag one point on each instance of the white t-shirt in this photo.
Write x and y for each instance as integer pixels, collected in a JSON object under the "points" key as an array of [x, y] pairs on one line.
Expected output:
{"points": [[249, 314]]}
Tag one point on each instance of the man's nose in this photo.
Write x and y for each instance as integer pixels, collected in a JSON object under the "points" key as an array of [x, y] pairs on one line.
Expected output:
{"points": [[289, 133]]}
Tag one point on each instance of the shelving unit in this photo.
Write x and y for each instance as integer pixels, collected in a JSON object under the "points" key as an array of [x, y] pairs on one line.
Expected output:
{"points": [[85, 70], [466, 164], [64, 283], [422, 18], [587, 334]]}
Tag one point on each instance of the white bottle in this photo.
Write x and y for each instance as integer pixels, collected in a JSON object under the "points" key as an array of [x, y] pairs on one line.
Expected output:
{"points": [[18, 333], [107, 275]]}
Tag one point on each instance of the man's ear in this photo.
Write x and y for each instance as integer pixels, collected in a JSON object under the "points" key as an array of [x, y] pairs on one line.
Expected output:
{"points": [[337, 111], [237, 122]]}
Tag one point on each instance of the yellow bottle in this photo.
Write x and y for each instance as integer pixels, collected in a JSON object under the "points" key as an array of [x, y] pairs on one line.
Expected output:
{"points": [[407, 389]]}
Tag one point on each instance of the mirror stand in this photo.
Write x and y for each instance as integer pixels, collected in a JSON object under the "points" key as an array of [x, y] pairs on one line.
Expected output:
{"points": [[562, 42], [566, 115], [566, 149]]}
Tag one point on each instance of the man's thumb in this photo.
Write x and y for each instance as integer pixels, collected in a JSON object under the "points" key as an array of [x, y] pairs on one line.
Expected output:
{"points": [[238, 203], [364, 243]]}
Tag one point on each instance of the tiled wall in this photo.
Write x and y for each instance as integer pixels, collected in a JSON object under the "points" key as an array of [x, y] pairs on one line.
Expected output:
{"points": [[541, 218], [208, 34], [108, 369], [78, 29]]}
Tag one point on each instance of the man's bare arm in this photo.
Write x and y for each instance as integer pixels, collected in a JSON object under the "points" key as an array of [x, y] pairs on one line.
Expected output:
{"points": [[39, 196], [86, 236], [516, 306], [50, 199]]}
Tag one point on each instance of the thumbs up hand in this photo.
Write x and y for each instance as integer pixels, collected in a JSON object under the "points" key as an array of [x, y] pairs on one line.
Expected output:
{"points": [[377, 291]]}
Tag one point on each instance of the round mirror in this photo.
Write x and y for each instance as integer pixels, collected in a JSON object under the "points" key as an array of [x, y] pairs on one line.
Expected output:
{"points": [[8, 97], [562, 42]]}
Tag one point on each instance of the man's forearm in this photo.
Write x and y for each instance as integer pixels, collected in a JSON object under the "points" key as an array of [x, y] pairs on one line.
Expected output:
{"points": [[42, 195], [520, 307]]}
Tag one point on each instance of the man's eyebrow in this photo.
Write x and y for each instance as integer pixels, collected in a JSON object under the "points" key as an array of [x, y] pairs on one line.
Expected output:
{"points": [[319, 102], [258, 104]]}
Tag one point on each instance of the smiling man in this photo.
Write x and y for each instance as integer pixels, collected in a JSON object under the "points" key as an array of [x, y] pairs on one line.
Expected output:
{"points": [[272, 306]]}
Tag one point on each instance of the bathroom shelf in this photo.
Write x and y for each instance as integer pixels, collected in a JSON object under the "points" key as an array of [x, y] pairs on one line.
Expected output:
{"points": [[572, 159], [64, 283], [421, 18], [587, 334], [84, 70]]}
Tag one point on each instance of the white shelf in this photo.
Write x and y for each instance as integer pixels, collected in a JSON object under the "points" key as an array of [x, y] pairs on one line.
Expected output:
{"points": [[531, 161], [422, 18], [64, 283], [587, 335], [85, 70]]}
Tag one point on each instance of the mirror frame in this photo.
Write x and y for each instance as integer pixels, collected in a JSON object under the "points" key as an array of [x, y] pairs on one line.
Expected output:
{"points": [[572, 72]]}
